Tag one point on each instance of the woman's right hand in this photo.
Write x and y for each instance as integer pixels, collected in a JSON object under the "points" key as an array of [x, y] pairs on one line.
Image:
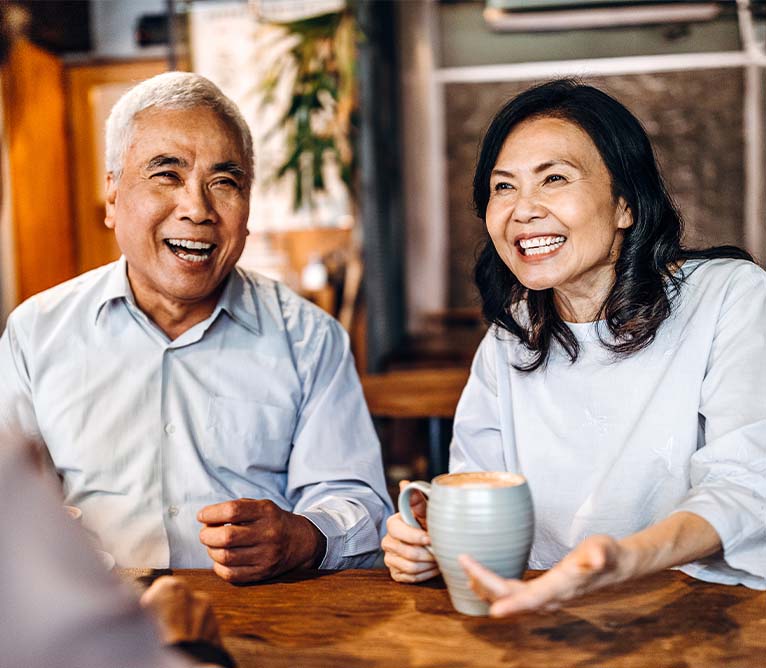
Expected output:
{"points": [[406, 556]]}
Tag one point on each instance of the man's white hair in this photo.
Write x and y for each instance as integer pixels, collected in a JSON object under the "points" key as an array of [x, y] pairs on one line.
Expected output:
{"points": [[170, 90]]}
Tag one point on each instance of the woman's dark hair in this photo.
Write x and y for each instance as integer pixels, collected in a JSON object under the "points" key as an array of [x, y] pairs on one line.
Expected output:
{"points": [[645, 285]]}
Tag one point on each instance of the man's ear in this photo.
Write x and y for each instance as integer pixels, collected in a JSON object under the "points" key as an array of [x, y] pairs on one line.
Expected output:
{"points": [[625, 219], [111, 198]]}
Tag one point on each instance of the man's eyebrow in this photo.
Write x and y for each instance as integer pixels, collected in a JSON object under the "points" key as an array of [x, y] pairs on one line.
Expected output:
{"points": [[166, 161], [230, 167]]}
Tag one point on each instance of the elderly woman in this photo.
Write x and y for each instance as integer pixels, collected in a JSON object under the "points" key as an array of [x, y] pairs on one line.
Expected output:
{"points": [[622, 373]]}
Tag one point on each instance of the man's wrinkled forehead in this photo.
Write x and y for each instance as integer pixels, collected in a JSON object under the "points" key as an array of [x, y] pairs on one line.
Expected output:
{"points": [[165, 150]]}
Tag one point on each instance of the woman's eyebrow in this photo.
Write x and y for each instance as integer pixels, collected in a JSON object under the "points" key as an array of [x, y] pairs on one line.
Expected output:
{"points": [[543, 166]]}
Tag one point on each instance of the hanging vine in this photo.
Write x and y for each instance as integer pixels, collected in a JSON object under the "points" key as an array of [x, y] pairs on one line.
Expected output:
{"points": [[319, 120]]}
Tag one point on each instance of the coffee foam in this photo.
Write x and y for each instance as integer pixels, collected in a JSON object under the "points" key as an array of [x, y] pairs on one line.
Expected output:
{"points": [[480, 479]]}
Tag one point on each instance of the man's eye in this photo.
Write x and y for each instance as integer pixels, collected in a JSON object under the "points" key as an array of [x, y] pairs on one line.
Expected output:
{"points": [[555, 178], [165, 176], [226, 183]]}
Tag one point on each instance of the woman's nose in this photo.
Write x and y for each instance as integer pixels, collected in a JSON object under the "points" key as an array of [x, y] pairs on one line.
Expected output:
{"points": [[528, 207]]}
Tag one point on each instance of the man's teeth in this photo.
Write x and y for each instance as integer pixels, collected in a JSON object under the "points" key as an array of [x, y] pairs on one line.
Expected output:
{"points": [[192, 258], [541, 245], [189, 250], [192, 245]]}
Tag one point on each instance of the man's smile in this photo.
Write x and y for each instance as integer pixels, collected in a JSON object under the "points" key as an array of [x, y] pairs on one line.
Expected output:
{"points": [[190, 250]]}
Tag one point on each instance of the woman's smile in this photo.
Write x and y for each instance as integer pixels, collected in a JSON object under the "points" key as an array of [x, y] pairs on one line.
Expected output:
{"points": [[539, 247]]}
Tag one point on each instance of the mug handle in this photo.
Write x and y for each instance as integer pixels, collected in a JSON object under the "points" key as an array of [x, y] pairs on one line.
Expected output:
{"points": [[404, 504]]}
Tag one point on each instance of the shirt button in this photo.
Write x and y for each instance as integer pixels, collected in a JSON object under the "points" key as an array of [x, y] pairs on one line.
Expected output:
{"points": [[170, 428], [173, 511]]}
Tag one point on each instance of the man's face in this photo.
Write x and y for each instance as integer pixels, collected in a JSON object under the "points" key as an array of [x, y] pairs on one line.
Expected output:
{"points": [[180, 207]]}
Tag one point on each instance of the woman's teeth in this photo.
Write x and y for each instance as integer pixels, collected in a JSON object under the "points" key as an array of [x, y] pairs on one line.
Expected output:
{"points": [[541, 245]]}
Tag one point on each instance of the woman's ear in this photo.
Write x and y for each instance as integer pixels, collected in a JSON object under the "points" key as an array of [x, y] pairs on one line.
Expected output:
{"points": [[625, 215]]}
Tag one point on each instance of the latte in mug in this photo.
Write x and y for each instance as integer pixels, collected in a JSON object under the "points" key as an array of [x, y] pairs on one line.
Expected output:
{"points": [[487, 515], [481, 479]]}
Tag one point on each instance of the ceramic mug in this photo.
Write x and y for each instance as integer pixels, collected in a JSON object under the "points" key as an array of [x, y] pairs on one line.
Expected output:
{"points": [[487, 515]]}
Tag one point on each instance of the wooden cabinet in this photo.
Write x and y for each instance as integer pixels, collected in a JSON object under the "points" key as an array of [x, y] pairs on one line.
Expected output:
{"points": [[40, 241], [53, 117], [92, 89]]}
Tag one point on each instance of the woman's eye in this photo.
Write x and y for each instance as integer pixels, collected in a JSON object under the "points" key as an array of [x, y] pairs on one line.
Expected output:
{"points": [[502, 186], [554, 178]]}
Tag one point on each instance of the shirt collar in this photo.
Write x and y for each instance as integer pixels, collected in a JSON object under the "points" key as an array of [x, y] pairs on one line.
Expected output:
{"points": [[238, 299], [116, 287]]}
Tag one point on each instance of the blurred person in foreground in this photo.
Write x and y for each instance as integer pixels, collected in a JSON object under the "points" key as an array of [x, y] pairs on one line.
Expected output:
{"points": [[172, 388], [622, 373], [62, 608]]}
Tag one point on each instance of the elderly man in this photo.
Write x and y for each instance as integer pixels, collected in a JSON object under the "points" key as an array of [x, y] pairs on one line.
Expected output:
{"points": [[172, 388]]}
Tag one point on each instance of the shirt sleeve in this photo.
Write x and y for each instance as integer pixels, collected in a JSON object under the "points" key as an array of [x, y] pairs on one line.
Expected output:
{"points": [[66, 609], [17, 414], [335, 474], [477, 442], [728, 474]]}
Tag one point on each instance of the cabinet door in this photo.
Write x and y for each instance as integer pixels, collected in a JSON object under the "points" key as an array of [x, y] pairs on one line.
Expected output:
{"points": [[37, 245], [91, 92]]}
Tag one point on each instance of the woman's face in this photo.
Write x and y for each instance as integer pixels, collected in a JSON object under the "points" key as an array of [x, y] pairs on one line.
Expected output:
{"points": [[552, 217]]}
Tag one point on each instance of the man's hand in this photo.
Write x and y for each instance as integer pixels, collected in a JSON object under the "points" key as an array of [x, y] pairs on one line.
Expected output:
{"points": [[250, 539], [182, 614]]}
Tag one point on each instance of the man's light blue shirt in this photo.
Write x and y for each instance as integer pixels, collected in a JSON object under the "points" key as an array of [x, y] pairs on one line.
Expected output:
{"points": [[261, 400]]}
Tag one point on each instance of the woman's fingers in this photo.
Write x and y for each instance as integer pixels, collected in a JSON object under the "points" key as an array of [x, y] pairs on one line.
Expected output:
{"points": [[405, 554], [410, 571], [413, 578], [406, 551], [589, 566], [397, 563], [486, 584], [397, 528]]}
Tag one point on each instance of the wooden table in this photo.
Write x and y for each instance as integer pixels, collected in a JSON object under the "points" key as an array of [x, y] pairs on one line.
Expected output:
{"points": [[419, 393], [362, 619]]}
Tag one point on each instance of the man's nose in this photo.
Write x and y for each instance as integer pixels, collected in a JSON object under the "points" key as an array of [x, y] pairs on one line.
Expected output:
{"points": [[528, 206], [194, 204]]}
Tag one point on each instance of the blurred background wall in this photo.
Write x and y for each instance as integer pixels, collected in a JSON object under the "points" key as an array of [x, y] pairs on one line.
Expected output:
{"points": [[694, 85], [429, 76]]}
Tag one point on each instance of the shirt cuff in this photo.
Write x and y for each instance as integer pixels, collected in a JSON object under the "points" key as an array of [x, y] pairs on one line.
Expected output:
{"points": [[742, 540], [334, 537]]}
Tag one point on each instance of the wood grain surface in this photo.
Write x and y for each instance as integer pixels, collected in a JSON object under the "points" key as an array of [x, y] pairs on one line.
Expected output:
{"points": [[362, 619], [415, 393]]}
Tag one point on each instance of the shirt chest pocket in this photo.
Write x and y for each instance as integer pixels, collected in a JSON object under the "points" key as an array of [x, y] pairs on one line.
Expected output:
{"points": [[243, 435]]}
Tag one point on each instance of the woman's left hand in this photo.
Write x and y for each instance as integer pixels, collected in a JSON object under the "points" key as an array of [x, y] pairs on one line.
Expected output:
{"points": [[599, 561], [594, 563]]}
